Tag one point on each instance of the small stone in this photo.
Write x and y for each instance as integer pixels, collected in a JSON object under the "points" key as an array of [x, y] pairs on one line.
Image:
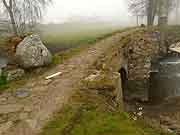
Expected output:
{"points": [[91, 78], [134, 118], [104, 66], [170, 131], [15, 74], [139, 113], [22, 93]]}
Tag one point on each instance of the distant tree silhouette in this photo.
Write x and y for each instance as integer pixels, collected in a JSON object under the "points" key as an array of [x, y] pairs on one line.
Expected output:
{"points": [[153, 8], [24, 13]]}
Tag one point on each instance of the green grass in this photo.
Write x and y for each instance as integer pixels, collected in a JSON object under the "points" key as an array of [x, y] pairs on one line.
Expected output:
{"points": [[73, 38], [74, 34], [90, 116], [3, 82]]}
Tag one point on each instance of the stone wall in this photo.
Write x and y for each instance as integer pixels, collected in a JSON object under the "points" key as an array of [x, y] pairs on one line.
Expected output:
{"points": [[106, 84], [141, 49], [104, 76], [134, 53]]}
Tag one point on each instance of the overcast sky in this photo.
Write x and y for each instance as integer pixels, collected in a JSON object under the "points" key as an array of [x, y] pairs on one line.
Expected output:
{"points": [[106, 10]]}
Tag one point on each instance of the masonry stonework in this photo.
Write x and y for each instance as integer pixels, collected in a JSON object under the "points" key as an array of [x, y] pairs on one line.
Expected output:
{"points": [[141, 49]]}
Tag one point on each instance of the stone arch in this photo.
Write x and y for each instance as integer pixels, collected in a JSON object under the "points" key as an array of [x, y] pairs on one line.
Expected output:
{"points": [[124, 78]]}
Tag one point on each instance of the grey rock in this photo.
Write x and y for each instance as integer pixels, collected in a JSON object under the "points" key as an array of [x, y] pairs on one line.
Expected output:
{"points": [[22, 93], [15, 74], [32, 53]]}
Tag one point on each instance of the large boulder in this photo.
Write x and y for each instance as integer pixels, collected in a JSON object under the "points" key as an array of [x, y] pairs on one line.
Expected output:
{"points": [[32, 53]]}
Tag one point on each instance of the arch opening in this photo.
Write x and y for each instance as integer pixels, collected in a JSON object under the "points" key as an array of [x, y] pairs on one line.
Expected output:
{"points": [[124, 79]]}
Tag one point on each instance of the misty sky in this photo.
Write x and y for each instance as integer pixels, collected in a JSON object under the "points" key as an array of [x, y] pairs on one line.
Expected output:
{"points": [[106, 10]]}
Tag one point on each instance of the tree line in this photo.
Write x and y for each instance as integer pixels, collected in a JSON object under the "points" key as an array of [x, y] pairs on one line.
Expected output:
{"points": [[160, 9], [23, 14]]}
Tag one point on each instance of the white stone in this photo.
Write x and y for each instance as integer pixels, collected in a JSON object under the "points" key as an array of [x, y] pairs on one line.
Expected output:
{"points": [[32, 53]]}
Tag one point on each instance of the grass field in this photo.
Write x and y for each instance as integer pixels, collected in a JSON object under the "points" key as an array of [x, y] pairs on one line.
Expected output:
{"points": [[70, 35]]}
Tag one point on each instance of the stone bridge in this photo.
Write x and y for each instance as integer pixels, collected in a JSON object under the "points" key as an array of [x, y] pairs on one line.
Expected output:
{"points": [[129, 60], [106, 66]]}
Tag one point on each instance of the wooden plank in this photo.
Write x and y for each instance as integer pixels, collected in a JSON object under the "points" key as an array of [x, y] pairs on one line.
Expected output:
{"points": [[53, 75]]}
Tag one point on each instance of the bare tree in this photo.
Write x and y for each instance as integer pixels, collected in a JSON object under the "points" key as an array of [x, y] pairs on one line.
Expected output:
{"points": [[9, 8], [24, 13], [137, 7], [152, 8], [177, 6]]}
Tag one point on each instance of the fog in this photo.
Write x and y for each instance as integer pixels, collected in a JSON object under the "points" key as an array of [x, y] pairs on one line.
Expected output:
{"points": [[110, 11]]}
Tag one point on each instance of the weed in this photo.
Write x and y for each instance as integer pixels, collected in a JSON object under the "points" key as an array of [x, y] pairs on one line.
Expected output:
{"points": [[3, 81]]}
